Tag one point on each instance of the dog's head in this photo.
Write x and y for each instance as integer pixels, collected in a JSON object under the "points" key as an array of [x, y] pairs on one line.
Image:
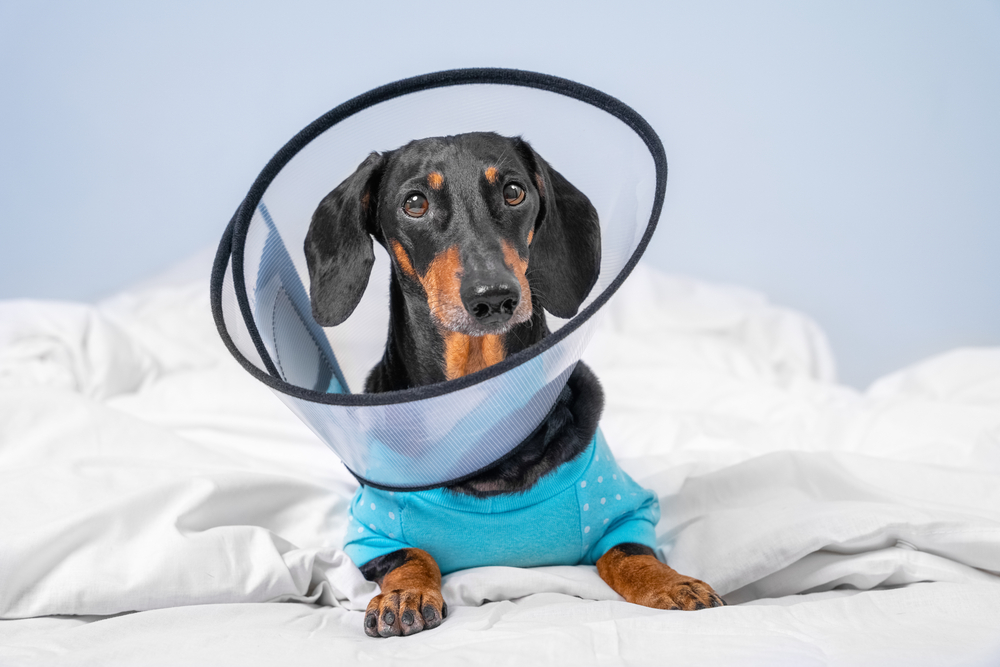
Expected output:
{"points": [[478, 226]]}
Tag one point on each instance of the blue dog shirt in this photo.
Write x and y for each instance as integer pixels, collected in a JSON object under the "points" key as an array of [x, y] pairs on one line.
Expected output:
{"points": [[572, 515]]}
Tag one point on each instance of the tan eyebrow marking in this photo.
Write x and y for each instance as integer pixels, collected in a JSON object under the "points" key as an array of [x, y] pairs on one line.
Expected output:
{"points": [[435, 180], [541, 184], [491, 174]]}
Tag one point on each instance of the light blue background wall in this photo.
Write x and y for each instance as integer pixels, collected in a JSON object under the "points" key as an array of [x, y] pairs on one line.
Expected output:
{"points": [[842, 157]]}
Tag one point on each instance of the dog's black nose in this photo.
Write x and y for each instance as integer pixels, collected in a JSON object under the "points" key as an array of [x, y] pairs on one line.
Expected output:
{"points": [[491, 304]]}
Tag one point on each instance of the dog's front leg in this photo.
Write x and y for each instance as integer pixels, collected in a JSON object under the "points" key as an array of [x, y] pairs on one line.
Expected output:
{"points": [[633, 571], [410, 600]]}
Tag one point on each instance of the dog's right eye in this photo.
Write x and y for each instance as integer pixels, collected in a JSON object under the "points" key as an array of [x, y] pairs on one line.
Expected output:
{"points": [[513, 194], [415, 205]]}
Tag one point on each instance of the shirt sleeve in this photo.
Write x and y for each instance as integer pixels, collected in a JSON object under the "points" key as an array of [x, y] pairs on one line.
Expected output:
{"points": [[638, 526], [375, 527]]}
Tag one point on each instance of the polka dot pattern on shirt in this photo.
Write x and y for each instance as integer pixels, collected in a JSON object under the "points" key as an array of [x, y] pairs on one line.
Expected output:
{"points": [[601, 482]]}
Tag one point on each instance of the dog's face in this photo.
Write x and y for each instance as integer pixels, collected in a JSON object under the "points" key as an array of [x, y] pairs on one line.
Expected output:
{"points": [[480, 229], [458, 217]]}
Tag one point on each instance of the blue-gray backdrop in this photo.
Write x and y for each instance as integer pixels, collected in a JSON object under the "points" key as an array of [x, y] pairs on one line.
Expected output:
{"points": [[842, 157]]}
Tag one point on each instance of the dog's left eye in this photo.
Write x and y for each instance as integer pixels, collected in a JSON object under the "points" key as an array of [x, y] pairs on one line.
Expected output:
{"points": [[513, 194], [415, 205]]}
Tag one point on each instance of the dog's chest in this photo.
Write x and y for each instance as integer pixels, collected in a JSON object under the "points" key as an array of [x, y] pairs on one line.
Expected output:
{"points": [[562, 520]]}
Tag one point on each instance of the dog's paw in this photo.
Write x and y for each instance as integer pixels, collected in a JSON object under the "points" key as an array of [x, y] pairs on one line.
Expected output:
{"points": [[403, 612], [676, 592], [635, 574]]}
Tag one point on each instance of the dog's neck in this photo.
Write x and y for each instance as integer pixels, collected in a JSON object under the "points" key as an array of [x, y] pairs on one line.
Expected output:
{"points": [[419, 352]]}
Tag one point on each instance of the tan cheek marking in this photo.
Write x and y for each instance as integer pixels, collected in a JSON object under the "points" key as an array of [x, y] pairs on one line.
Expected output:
{"points": [[365, 200], [519, 267], [435, 180], [491, 174], [467, 354], [540, 183], [442, 282], [531, 235], [403, 259]]}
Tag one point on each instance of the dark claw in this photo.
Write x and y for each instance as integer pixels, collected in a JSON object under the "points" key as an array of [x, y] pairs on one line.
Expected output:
{"points": [[429, 612], [371, 620], [674, 607], [407, 617], [444, 610], [699, 605], [388, 617]]}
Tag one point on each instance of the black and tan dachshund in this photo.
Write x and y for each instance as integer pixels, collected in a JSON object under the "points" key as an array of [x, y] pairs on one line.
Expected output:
{"points": [[483, 235]]}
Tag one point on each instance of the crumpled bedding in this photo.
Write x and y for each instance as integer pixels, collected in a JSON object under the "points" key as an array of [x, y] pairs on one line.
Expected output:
{"points": [[151, 489]]}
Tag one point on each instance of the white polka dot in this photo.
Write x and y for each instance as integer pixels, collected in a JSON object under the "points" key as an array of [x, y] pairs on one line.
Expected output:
{"points": [[603, 500], [605, 521], [583, 484], [392, 515], [618, 496], [372, 526], [587, 529], [392, 493], [373, 505], [597, 457], [615, 476], [600, 480], [586, 506], [392, 537], [361, 529]]}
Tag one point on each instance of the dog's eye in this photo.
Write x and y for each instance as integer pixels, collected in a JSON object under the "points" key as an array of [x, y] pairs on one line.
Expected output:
{"points": [[513, 194], [415, 205]]}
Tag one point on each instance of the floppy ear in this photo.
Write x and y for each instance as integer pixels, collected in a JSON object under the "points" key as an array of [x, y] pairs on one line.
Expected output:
{"points": [[339, 244], [565, 254]]}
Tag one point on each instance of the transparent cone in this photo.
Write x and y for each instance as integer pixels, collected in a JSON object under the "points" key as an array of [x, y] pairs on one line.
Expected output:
{"points": [[432, 435]]}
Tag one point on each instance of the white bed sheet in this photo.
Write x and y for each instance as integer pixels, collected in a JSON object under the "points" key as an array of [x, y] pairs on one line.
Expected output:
{"points": [[150, 489]]}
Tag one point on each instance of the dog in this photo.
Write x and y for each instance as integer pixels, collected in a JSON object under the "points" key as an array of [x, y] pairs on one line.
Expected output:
{"points": [[484, 236]]}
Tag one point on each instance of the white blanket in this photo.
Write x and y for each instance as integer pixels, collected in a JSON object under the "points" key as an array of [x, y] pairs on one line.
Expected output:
{"points": [[142, 470]]}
